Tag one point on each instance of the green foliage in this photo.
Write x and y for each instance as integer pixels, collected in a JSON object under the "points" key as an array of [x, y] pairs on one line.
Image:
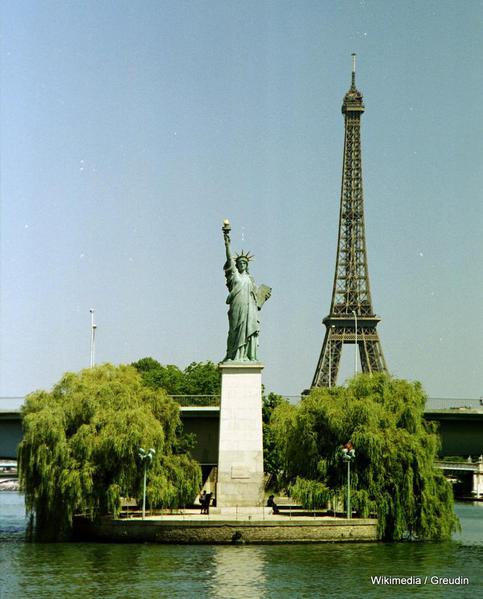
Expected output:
{"points": [[199, 378], [79, 452], [310, 493], [392, 475], [202, 378], [272, 461]]}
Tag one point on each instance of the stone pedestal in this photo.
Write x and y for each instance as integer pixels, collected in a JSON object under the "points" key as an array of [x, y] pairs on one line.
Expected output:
{"points": [[240, 455]]}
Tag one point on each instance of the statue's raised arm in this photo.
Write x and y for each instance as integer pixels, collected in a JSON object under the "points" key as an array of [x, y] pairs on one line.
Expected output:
{"points": [[226, 237], [244, 300]]}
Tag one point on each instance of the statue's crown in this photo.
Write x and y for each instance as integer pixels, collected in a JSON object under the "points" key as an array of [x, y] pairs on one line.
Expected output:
{"points": [[243, 256]]}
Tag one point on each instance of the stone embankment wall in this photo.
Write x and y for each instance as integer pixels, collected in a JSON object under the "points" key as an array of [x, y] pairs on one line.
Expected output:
{"points": [[226, 531], [9, 485]]}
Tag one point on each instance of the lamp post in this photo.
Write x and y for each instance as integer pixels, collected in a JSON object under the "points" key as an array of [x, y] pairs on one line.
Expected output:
{"points": [[93, 338], [348, 454], [355, 343], [145, 457]]}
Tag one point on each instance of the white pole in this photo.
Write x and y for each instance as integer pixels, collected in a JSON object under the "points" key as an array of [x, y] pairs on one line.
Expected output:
{"points": [[349, 511], [355, 343], [330, 354], [330, 364], [93, 339], [144, 491]]}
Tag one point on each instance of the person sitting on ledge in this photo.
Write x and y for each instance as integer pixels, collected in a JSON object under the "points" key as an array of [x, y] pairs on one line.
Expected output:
{"points": [[271, 503]]}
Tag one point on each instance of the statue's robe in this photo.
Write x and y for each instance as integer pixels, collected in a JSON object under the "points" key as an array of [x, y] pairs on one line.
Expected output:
{"points": [[242, 314]]}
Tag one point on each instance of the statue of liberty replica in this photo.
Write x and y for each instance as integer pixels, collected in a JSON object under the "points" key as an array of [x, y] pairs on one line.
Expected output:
{"points": [[245, 300], [240, 481]]}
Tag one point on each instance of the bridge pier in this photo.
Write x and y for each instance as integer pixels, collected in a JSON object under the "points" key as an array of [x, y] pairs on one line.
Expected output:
{"points": [[478, 479]]}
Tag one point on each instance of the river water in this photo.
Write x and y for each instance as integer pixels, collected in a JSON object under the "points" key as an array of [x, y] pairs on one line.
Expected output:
{"points": [[275, 571]]}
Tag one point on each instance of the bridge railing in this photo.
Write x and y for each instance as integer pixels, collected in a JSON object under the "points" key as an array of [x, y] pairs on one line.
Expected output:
{"points": [[434, 403], [463, 466], [197, 400], [445, 403]]}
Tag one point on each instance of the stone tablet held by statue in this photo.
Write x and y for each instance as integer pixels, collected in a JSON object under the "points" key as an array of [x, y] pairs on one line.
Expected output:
{"points": [[245, 300]]}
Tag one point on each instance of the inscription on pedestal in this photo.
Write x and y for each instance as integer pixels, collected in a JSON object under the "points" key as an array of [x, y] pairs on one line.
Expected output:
{"points": [[238, 471]]}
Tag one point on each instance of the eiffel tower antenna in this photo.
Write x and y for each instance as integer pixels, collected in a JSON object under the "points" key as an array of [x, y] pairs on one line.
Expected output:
{"points": [[351, 319]]}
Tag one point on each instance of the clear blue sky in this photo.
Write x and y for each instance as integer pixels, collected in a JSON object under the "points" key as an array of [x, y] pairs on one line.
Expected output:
{"points": [[130, 130]]}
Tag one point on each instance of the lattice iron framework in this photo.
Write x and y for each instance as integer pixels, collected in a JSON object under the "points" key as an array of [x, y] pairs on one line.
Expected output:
{"points": [[351, 319]]}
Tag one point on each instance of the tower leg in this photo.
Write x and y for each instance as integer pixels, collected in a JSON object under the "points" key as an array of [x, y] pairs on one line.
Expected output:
{"points": [[372, 358], [329, 360], [368, 346]]}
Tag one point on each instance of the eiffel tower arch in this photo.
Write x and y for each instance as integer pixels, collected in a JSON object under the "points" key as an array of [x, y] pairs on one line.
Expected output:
{"points": [[351, 318]]}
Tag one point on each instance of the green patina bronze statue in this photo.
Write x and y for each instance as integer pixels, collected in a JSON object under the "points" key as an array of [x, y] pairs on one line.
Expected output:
{"points": [[245, 300]]}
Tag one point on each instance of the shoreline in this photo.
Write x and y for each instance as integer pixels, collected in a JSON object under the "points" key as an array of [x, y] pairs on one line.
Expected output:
{"points": [[9, 485]]}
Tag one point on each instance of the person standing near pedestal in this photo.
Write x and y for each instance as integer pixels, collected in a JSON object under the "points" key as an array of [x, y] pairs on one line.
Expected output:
{"points": [[240, 458]]}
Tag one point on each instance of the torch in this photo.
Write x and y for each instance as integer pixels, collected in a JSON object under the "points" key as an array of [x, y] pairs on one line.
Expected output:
{"points": [[226, 230]]}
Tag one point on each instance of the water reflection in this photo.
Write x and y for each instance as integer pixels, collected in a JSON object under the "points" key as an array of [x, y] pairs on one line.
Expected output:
{"points": [[245, 571], [471, 516], [12, 517], [238, 572]]}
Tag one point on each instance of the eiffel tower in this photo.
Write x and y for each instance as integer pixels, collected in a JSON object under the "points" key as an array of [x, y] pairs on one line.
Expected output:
{"points": [[351, 319]]}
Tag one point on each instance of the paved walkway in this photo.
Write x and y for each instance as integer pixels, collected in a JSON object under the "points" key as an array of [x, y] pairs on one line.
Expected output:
{"points": [[193, 515]]}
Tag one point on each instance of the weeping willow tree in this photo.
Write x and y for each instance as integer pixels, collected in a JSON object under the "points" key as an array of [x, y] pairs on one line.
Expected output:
{"points": [[393, 474], [80, 448]]}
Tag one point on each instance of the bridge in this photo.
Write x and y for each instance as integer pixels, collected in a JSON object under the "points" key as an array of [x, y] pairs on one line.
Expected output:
{"points": [[454, 470], [200, 420], [460, 427]]}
